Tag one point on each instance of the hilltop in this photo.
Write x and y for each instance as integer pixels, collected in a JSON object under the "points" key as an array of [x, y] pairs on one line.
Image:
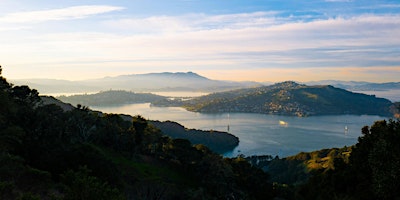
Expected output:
{"points": [[288, 98]]}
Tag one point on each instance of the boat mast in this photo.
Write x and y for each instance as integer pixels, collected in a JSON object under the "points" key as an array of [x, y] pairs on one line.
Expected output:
{"points": [[228, 123]]}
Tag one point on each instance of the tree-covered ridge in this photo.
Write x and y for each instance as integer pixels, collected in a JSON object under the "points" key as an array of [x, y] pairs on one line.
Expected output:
{"points": [[49, 153], [290, 98], [111, 97], [217, 141]]}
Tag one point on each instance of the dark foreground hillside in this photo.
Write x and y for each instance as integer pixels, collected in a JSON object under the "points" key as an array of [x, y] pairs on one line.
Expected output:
{"points": [[49, 153]]}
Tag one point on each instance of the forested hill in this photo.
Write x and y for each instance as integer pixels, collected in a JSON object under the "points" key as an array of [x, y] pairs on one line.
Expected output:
{"points": [[110, 97], [289, 98]]}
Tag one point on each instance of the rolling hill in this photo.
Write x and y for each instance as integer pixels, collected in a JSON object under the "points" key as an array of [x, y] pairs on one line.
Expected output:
{"points": [[288, 98]]}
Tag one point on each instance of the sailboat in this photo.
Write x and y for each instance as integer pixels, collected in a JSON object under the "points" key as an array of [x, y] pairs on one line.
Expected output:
{"points": [[228, 128], [346, 130]]}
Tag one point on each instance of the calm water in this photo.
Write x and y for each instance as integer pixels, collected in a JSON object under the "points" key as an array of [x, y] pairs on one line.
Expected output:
{"points": [[261, 134]]}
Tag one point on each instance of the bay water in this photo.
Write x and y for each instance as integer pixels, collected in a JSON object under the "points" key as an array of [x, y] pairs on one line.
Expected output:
{"points": [[262, 134]]}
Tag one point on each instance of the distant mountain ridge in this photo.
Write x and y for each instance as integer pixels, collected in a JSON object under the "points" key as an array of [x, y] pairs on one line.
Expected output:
{"points": [[166, 81], [288, 98], [188, 82], [358, 85]]}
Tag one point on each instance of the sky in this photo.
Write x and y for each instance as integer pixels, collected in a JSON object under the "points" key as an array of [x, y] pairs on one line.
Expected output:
{"points": [[241, 40]]}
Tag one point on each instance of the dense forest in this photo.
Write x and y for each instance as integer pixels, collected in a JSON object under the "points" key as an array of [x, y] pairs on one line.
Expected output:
{"points": [[49, 153], [287, 98]]}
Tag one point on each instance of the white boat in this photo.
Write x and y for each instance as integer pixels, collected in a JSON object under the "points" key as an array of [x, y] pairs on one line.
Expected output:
{"points": [[283, 123]]}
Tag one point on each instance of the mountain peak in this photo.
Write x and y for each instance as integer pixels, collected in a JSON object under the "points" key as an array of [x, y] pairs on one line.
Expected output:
{"points": [[189, 74]]}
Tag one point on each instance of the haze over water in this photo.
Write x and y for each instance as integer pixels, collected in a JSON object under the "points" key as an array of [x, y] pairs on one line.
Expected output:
{"points": [[262, 134]]}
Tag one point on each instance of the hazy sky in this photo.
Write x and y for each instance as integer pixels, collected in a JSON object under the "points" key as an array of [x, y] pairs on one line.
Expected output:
{"points": [[261, 40]]}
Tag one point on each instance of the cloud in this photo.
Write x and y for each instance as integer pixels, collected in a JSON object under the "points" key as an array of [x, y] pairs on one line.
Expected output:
{"points": [[362, 40], [261, 42], [276, 74], [193, 22], [75, 12]]}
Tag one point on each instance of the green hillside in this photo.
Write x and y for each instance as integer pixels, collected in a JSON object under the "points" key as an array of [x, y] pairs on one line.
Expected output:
{"points": [[289, 98]]}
